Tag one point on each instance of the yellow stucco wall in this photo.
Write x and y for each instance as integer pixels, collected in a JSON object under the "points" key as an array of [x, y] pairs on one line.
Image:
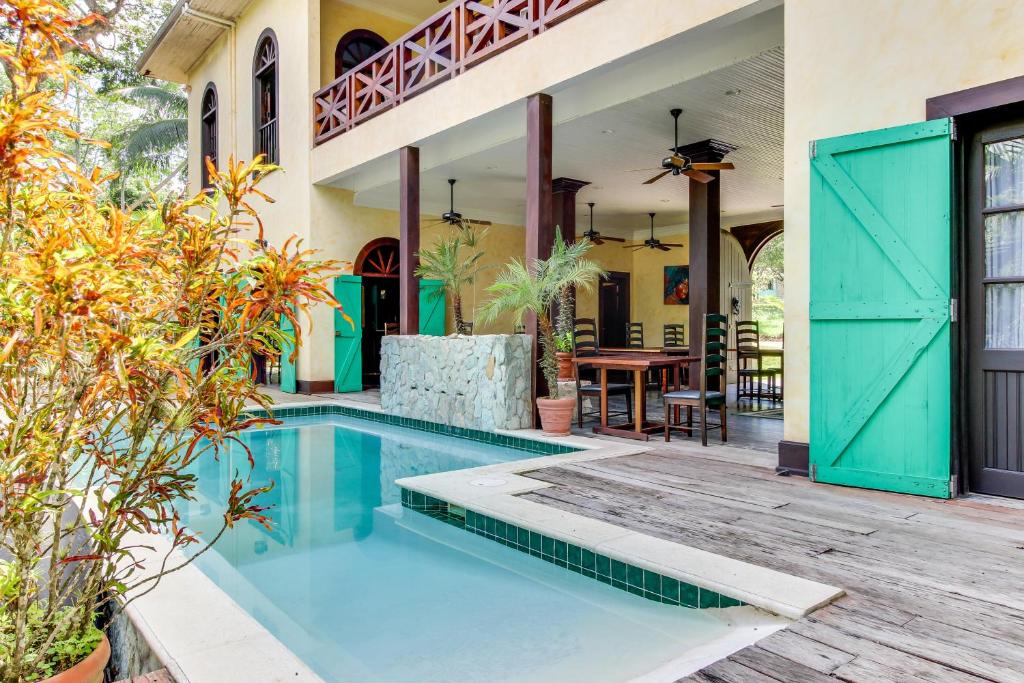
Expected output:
{"points": [[856, 66], [338, 18], [229, 66], [647, 269]]}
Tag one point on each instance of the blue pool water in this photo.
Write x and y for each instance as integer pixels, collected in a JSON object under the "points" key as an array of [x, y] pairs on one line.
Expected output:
{"points": [[364, 590]]}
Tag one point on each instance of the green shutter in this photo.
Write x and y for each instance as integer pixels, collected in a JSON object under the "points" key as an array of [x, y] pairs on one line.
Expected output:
{"points": [[881, 207], [432, 308], [348, 336], [288, 384]]}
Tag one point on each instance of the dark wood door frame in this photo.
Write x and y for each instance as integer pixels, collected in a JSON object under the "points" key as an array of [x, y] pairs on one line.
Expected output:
{"points": [[971, 110], [622, 280]]}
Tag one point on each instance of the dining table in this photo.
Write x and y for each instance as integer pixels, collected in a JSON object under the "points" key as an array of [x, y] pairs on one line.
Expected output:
{"points": [[639, 364]]}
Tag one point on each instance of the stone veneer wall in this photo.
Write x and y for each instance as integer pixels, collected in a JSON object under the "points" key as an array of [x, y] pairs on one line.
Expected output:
{"points": [[478, 382]]}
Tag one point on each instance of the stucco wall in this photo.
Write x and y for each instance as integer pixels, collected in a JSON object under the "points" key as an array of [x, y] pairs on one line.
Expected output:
{"points": [[341, 228], [228, 64], [338, 18], [647, 269], [856, 66]]}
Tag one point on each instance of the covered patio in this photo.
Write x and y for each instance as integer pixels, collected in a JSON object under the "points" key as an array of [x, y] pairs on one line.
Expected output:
{"points": [[587, 157]]}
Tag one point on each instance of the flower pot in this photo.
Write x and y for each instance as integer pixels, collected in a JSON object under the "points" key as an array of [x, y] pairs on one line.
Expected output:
{"points": [[566, 369], [89, 670], [556, 415]]}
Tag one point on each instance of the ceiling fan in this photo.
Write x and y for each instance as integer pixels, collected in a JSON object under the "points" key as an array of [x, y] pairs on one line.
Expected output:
{"points": [[677, 164], [453, 217], [593, 235], [652, 242]]}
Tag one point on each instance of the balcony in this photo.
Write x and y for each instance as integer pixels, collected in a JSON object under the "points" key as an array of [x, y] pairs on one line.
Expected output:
{"points": [[450, 42]]}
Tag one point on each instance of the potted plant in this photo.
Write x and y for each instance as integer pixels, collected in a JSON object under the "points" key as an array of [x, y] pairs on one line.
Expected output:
{"points": [[563, 357], [127, 342], [534, 288], [454, 261], [565, 323]]}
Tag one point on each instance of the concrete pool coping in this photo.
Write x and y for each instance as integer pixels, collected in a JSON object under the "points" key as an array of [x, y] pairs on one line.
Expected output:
{"points": [[201, 634]]}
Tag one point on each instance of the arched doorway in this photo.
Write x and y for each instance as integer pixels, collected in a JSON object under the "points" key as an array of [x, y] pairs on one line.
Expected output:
{"points": [[354, 48], [378, 265]]}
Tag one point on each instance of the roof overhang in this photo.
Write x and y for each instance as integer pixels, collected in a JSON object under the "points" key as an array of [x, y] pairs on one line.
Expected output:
{"points": [[185, 36]]}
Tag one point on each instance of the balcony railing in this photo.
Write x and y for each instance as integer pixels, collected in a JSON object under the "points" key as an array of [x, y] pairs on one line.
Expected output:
{"points": [[452, 41]]}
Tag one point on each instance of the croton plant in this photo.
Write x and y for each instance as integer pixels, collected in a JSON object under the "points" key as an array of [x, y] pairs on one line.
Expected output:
{"points": [[126, 347]]}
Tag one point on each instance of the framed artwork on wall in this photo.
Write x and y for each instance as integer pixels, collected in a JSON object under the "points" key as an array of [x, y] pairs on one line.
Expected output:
{"points": [[677, 285]]}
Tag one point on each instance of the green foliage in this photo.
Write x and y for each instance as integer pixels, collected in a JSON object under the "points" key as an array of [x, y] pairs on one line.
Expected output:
{"points": [[534, 288], [563, 342], [44, 655], [768, 276], [455, 262]]}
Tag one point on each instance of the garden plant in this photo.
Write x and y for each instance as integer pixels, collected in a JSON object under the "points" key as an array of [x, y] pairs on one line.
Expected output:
{"points": [[126, 347]]}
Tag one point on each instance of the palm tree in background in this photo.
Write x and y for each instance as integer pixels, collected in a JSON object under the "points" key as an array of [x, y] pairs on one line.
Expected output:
{"points": [[155, 143]]}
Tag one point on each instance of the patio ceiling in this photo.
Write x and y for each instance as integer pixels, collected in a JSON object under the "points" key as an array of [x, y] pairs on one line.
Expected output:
{"points": [[741, 104]]}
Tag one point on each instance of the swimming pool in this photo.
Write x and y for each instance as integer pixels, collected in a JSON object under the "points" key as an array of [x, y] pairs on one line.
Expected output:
{"points": [[362, 589]]}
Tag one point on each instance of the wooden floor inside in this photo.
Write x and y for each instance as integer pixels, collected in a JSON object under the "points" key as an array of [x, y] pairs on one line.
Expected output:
{"points": [[935, 590]]}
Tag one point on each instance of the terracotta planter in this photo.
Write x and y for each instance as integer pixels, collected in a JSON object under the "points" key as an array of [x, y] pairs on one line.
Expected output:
{"points": [[556, 415], [566, 368], [89, 670]]}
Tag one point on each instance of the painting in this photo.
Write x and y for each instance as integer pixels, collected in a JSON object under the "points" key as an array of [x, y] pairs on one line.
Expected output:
{"points": [[677, 285]]}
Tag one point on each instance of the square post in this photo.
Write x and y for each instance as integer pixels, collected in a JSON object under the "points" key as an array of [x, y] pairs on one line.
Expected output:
{"points": [[705, 242], [539, 233], [409, 239]]}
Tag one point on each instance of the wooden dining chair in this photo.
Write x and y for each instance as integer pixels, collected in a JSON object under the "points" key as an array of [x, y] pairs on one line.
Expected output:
{"points": [[674, 335], [635, 335], [710, 395], [584, 340], [750, 371]]}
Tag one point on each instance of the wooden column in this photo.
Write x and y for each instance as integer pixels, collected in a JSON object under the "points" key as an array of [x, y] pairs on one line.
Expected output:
{"points": [[539, 231], [705, 242], [409, 239], [563, 205]]}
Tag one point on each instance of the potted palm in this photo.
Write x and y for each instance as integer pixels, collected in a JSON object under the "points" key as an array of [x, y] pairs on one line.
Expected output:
{"points": [[534, 288], [127, 341], [454, 260]]}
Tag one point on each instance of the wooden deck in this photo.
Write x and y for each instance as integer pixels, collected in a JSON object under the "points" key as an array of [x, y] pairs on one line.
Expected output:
{"points": [[935, 589]]}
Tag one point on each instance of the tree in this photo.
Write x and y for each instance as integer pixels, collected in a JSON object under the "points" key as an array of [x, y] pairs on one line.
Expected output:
{"points": [[106, 319], [534, 288], [450, 264]]}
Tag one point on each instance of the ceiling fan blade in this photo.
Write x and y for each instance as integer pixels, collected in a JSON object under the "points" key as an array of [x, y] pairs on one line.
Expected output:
{"points": [[699, 176], [663, 247], [598, 240], [473, 221], [608, 238], [670, 244], [724, 166], [658, 177]]}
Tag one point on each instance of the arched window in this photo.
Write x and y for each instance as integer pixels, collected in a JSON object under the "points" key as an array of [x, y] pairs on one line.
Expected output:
{"points": [[264, 88], [354, 48], [207, 133]]}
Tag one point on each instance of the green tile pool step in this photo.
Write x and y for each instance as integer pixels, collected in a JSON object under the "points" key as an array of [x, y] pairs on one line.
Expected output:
{"points": [[516, 442], [621, 575]]}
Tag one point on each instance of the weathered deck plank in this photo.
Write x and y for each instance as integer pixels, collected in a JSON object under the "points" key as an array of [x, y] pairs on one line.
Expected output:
{"points": [[935, 589]]}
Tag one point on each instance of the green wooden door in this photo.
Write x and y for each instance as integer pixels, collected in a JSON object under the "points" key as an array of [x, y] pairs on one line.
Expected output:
{"points": [[288, 383], [348, 336], [880, 396], [432, 308]]}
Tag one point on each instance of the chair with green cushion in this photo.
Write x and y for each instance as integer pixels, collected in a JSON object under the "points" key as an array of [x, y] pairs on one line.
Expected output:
{"points": [[711, 394]]}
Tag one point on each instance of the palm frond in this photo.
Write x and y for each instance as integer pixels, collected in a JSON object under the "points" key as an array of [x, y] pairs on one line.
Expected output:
{"points": [[171, 101], [158, 137]]}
